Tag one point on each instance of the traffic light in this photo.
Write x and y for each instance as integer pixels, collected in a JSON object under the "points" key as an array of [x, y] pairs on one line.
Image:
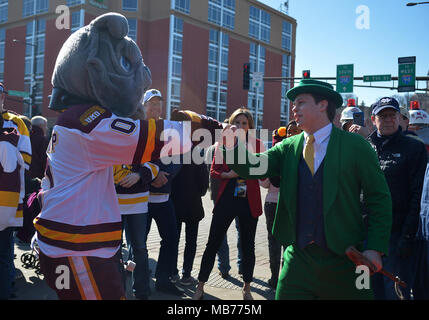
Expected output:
{"points": [[246, 76], [306, 74]]}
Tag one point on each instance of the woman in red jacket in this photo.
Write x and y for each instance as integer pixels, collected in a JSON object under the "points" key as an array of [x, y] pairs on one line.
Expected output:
{"points": [[236, 198]]}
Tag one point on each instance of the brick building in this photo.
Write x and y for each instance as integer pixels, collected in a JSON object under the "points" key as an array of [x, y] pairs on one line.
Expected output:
{"points": [[194, 48]]}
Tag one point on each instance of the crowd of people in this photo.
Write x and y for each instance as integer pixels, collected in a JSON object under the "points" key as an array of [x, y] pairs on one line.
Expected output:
{"points": [[365, 188]]}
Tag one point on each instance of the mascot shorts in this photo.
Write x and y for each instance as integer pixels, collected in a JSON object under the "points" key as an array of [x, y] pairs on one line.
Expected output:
{"points": [[316, 273], [84, 278]]}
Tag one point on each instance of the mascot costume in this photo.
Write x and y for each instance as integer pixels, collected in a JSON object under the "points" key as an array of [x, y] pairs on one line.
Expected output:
{"points": [[98, 82]]}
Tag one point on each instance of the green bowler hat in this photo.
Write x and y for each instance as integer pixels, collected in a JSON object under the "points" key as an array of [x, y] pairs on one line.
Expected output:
{"points": [[315, 86]]}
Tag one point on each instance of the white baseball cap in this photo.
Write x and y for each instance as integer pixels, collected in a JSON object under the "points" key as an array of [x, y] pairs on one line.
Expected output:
{"points": [[149, 94]]}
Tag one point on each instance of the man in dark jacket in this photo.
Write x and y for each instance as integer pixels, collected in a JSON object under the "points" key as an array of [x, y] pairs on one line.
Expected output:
{"points": [[188, 187], [403, 161]]}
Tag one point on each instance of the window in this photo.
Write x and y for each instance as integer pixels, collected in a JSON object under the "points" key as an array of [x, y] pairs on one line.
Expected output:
{"points": [[213, 55], [177, 67], [132, 29], [71, 3], [222, 13], [175, 89], [129, 5], [214, 37], [228, 20], [42, 6], [286, 35], [217, 74], [284, 102], [178, 25], [175, 74], [2, 47], [32, 7], [259, 24], [255, 97], [76, 21], [212, 77], [177, 45], [214, 14], [3, 10], [181, 5]]}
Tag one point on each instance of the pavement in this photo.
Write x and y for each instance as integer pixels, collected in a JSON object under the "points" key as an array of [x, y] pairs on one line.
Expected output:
{"points": [[30, 286]]}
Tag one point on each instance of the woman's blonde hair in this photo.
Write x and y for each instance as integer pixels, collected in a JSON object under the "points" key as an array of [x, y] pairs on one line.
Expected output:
{"points": [[242, 111]]}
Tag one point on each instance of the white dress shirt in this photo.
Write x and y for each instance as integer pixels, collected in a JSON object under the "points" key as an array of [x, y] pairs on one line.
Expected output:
{"points": [[321, 140]]}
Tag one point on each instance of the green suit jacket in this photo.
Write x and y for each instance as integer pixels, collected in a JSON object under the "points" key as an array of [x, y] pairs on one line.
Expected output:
{"points": [[350, 167]]}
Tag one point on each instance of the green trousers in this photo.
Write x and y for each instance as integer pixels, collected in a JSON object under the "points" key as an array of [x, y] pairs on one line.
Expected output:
{"points": [[315, 273]]}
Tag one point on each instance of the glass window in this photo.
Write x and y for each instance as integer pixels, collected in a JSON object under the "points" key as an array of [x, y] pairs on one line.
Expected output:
{"points": [[225, 40], [27, 66], [224, 58], [27, 8], [39, 65], [41, 26], [71, 3], [212, 76], [230, 4], [223, 77], [175, 89], [214, 14], [177, 45], [212, 94], [2, 47], [132, 32], [42, 6], [40, 43], [177, 67], [3, 11], [265, 17], [265, 34], [214, 37], [253, 30], [178, 25], [182, 5], [75, 21], [129, 5], [228, 20], [213, 55], [254, 13]]}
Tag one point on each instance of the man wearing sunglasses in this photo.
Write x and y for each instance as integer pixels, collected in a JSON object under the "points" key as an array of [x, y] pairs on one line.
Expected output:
{"points": [[403, 161]]}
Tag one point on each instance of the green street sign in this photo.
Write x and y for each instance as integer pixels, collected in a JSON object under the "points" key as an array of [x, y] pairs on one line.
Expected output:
{"points": [[406, 74], [18, 93], [381, 77], [344, 78]]}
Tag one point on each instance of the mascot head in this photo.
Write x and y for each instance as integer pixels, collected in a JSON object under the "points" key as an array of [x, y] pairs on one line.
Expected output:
{"points": [[100, 64]]}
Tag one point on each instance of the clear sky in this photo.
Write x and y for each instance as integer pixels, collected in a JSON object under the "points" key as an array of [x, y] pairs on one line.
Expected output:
{"points": [[327, 36]]}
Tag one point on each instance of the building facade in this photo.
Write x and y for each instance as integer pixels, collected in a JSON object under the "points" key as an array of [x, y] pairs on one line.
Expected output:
{"points": [[195, 50]]}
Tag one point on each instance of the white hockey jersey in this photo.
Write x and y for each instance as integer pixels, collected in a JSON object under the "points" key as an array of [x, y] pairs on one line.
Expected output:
{"points": [[11, 180], [80, 213]]}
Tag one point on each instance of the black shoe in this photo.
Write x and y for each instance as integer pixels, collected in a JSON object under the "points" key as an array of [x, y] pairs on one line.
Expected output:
{"points": [[224, 275], [142, 297], [169, 288]]}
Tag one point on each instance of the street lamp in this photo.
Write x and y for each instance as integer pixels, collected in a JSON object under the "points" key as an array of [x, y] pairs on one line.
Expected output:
{"points": [[412, 4], [33, 76]]}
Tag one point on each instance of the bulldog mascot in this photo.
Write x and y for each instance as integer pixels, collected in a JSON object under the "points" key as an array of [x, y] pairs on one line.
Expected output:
{"points": [[98, 82]]}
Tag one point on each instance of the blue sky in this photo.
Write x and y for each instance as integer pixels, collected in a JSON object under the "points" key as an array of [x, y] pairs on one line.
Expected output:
{"points": [[327, 36]]}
